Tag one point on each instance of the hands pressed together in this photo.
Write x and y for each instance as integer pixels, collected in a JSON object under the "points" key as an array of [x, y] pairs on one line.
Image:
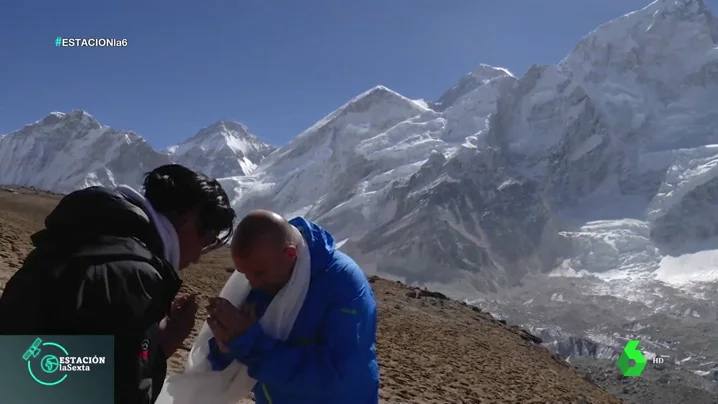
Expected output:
{"points": [[179, 323], [227, 321]]}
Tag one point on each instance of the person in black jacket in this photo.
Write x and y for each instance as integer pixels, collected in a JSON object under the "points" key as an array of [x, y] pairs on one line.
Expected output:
{"points": [[107, 262]]}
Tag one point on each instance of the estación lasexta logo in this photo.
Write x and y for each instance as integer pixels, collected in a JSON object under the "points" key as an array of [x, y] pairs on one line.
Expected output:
{"points": [[49, 363]]}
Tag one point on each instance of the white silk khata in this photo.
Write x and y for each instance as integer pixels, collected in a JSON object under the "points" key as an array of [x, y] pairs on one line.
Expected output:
{"points": [[199, 384]]}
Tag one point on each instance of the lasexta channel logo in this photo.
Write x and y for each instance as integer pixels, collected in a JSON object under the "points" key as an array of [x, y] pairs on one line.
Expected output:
{"points": [[631, 363], [49, 363]]}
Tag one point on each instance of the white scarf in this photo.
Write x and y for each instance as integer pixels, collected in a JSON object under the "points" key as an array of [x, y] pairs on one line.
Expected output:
{"points": [[198, 383], [166, 230]]}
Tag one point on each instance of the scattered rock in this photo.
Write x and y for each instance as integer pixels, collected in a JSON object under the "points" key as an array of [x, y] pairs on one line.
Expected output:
{"points": [[530, 337], [417, 293]]}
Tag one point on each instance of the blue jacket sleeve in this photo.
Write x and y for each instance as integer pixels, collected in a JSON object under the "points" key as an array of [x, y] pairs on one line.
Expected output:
{"points": [[217, 359], [348, 334]]}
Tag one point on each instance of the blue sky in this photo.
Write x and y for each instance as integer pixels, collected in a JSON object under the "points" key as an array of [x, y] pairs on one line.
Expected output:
{"points": [[276, 66]]}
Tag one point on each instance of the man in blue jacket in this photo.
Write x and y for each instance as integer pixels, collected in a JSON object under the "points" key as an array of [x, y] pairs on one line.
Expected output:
{"points": [[329, 356]]}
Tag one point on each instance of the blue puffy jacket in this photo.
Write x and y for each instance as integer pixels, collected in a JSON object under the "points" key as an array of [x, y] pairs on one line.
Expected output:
{"points": [[329, 356]]}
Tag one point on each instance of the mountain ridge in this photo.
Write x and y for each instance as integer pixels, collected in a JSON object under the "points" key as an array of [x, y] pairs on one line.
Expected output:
{"points": [[66, 151], [221, 149], [554, 127]]}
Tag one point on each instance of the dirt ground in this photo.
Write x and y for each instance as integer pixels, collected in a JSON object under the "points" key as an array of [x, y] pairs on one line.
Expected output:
{"points": [[431, 349]]}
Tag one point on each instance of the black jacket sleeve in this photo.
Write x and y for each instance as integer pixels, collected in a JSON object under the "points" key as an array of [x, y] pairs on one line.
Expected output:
{"points": [[122, 299]]}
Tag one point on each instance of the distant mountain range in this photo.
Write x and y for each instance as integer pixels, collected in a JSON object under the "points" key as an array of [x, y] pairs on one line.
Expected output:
{"points": [[476, 190]]}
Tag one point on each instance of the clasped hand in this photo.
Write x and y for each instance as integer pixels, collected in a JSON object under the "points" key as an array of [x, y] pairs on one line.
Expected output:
{"points": [[227, 321], [178, 325]]}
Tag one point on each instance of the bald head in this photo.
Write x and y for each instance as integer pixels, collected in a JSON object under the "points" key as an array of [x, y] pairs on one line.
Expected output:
{"points": [[262, 226], [264, 249]]}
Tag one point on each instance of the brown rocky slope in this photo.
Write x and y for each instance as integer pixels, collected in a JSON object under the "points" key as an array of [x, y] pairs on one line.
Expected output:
{"points": [[431, 349]]}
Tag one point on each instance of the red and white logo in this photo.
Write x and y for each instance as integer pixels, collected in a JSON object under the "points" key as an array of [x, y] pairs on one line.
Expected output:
{"points": [[145, 349]]}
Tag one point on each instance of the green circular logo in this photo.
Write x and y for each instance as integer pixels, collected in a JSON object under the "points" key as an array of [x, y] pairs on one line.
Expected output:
{"points": [[46, 368], [50, 364]]}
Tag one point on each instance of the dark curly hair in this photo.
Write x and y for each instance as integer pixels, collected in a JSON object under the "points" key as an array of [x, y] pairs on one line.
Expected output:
{"points": [[174, 189]]}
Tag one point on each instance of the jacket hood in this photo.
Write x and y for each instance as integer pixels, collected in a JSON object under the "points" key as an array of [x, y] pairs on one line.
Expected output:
{"points": [[97, 211], [320, 242]]}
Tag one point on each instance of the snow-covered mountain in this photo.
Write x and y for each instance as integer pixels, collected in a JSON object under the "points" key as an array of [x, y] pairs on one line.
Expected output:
{"points": [[417, 188], [341, 170], [600, 168], [442, 190], [621, 136], [63, 152], [223, 149], [596, 175]]}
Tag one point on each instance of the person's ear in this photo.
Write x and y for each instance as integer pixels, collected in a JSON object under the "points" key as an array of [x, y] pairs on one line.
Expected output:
{"points": [[291, 251]]}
